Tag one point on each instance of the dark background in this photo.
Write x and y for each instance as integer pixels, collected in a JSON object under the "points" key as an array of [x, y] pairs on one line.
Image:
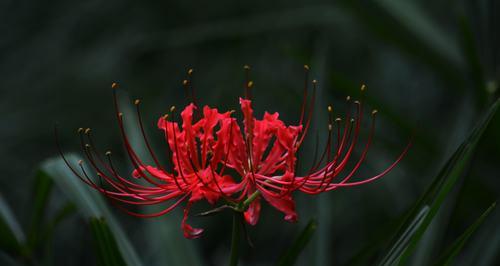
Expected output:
{"points": [[431, 67]]}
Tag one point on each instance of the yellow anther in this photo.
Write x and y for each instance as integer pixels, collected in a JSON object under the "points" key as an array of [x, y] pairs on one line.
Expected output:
{"points": [[363, 87], [87, 130], [114, 85], [374, 112], [79, 130], [120, 114], [338, 119], [137, 102], [306, 67], [330, 108], [250, 84], [172, 108], [348, 98], [108, 153], [330, 127], [246, 67], [190, 71], [185, 82]]}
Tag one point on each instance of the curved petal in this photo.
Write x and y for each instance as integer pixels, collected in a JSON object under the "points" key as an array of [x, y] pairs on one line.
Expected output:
{"points": [[189, 231]]}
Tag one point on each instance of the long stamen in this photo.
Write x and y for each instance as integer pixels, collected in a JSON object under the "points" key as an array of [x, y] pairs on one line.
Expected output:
{"points": [[135, 160], [169, 152], [365, 150], [310, 113], [143, 133], [172, 110], [189, 85]]}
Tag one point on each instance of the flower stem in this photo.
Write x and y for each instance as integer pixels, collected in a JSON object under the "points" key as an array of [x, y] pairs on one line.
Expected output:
{"points": [[249, 200], [235, 239]]}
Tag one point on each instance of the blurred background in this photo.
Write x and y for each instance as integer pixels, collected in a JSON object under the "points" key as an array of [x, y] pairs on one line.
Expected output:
{"points": [[432, 69]]}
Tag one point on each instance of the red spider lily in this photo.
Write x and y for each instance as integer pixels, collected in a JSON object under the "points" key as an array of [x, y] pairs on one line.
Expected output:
{"points": [[262, 156]]}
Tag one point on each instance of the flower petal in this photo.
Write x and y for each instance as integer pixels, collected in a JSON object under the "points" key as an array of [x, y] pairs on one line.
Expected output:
{"points": [[189, 231]]}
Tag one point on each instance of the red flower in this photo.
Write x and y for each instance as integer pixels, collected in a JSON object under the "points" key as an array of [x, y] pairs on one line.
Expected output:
{"points": [[262, 155]]}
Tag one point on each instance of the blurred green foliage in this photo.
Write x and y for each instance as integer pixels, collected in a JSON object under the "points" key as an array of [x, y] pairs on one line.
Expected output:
{"points": [[432, 70]]}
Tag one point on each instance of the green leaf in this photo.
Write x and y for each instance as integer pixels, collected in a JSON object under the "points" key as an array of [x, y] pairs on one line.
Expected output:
{"points": [[89, 202], [60, 215], [11, 234], [400, 251], [41, 193], [108, 252], [448, 257], [293, 252]]}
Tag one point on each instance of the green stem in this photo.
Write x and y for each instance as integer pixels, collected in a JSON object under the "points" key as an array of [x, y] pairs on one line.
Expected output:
{"points": [[249, 200], [235, 239]]}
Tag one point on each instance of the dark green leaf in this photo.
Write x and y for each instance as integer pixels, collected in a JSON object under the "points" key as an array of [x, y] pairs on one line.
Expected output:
{"points": [[61, 214], [89, 202], [293, 252], [448, 257], [399, 251], [41, 193], [108, 252], [11, 234]]}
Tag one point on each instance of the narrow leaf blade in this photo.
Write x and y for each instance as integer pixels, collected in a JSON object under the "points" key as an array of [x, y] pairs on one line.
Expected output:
{"points": [[107, 249], [399, 251], [11, 234], [89, 202], [448, 257], [293, 252]]}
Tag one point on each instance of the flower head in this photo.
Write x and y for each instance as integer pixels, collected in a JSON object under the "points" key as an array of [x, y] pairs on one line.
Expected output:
{"points": [[212, 156]]}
